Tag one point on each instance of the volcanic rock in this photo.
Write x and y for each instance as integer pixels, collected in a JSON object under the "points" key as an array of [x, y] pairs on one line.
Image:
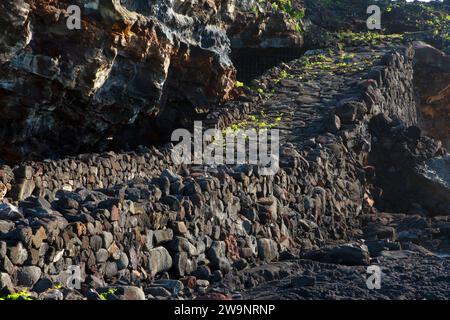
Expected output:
{"points": [[346, 254]]}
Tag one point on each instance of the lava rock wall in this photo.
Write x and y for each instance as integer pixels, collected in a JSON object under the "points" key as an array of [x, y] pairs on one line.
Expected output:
{"points": [[134, 216]]}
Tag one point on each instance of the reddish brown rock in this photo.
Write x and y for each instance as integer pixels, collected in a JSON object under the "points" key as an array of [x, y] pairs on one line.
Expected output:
{"points": [[115, 214], [39, 236], [189, 282]]}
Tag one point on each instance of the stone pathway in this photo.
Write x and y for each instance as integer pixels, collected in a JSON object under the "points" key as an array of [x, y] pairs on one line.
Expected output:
{"points": [[304, 92]]}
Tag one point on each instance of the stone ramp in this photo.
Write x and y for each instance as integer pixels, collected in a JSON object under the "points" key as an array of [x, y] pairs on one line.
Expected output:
{"points": [[325, 92], [144, 222]]}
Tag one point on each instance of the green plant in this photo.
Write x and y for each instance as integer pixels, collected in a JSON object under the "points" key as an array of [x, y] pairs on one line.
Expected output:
{"points": [[239, 84], [16, 296], [288, 7], [104, 295], [261, 121]]}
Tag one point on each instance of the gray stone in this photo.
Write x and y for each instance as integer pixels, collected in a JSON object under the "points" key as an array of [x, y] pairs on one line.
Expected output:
{"points": [[202, 272], [170, 175], [96, 243], [95, 282], [346, 254], [202, 283], [149, 235], [162, 236], [217, 250], [247, 252], [221, 264], [17, 254], [158, 292], [267, 250], [35, 202], [130, 293], [23, 172], [102, 255], [128, 206], [73, 295], [5, 282], [108, 239], [123, 262], [6, 226], [43, 285], [173, 286], [23, 189], [180, 244], [111, 269], [3, 248], [28, 276], [159, 260], [6, 265], [9, 212], [52, 295], [180, 263]]}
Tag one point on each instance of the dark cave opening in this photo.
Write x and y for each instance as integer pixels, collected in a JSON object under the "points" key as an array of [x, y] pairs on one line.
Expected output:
{"points": [[251, 63]]}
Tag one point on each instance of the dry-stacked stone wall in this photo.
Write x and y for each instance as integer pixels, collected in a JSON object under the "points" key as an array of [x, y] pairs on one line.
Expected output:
{"points": [[133, 217]]}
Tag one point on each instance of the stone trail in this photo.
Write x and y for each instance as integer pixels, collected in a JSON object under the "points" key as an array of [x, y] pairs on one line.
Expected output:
{"points": [[305, 92]]}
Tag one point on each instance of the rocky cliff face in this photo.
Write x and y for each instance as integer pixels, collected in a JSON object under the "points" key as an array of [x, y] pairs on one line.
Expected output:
{"points": [[75, 88], [64, 91]]}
